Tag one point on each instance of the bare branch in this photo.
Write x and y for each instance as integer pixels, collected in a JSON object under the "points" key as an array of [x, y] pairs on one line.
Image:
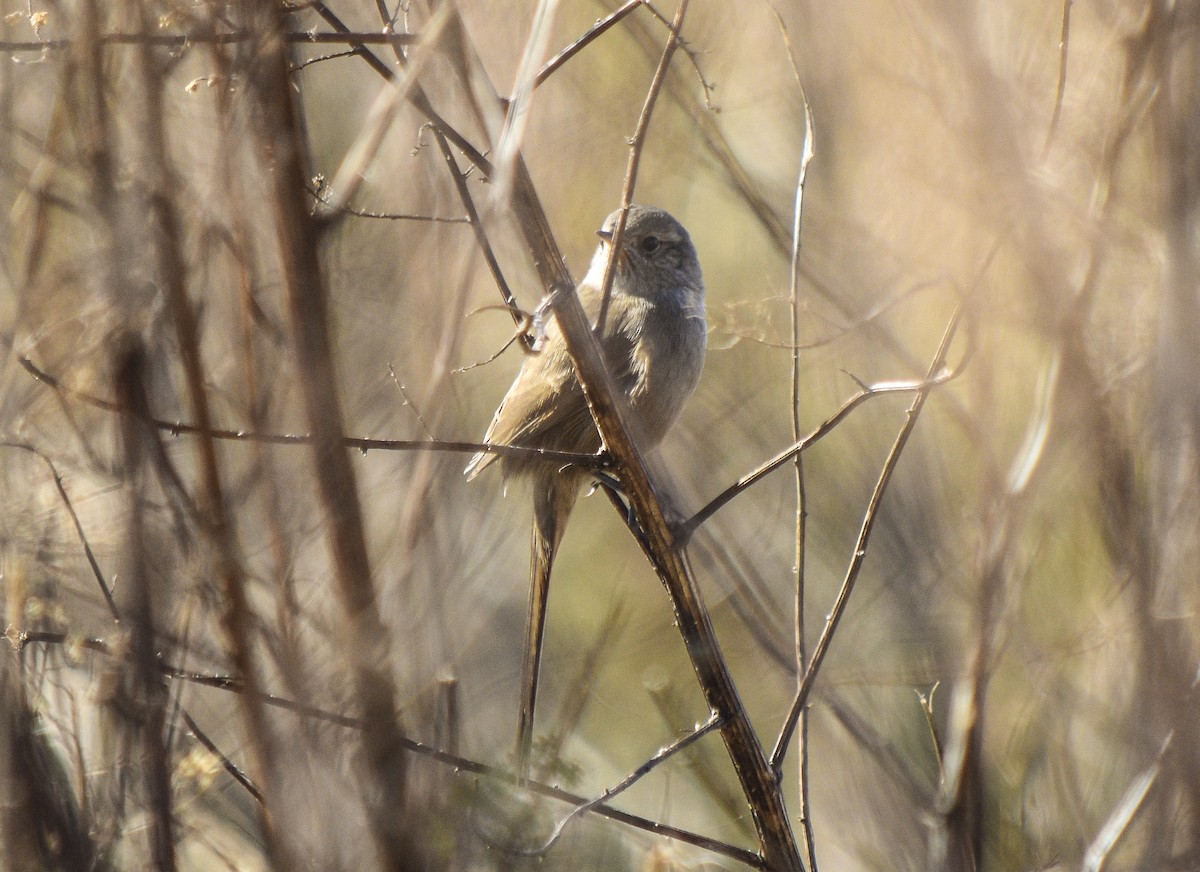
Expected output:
{"points": [[362, 444], [821, 431], [184, 40], [394, 93], [801, 540], [936, 366], [701, 730], [589, 36], [228, 765], [636, 143], [457, 764], [97, 573]]}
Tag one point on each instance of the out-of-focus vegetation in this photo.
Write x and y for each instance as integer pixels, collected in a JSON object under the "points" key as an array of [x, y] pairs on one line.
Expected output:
{"points": [[193, 679]]}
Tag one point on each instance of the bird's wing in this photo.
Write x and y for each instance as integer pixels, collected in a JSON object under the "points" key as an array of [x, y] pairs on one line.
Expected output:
{"points": [[544, 408], [558, 418]]}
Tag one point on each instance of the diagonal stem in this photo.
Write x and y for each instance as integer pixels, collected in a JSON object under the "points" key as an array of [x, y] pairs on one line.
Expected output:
{"points": [[636, 144], [936, 366]]}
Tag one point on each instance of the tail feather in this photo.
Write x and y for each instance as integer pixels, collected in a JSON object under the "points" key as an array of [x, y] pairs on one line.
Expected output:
{"points": [[553, 498]]}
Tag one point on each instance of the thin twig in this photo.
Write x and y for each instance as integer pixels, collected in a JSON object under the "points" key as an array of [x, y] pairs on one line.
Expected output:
{"points": [[518, 333], [692, 55], [408, 402], [481, 238], [702, 730], [590, 35], [819, 432], [636, 143], [388, 216], [351, 173], [359, 45], [232, 768], [936, 366], [362, 444], [183, 40], [320, 59], [800, 636], [105, 590], [1060, 89]]}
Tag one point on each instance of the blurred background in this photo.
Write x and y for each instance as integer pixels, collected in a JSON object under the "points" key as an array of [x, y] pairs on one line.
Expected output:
{"points": [[1012, 685]]}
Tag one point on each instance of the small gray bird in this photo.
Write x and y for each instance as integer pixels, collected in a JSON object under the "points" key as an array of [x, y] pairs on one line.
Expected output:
{"points": [[653, 343]]}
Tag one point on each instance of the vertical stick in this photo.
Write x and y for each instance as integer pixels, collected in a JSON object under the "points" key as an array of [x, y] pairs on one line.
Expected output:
{"points": [[144, 705], [303, 283], [801, 504]]}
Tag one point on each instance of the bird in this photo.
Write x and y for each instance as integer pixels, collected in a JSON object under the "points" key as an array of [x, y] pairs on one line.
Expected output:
{"points": [[653, 343]]}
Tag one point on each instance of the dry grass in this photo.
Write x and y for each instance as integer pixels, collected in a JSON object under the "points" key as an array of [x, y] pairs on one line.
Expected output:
{"points": [[231, 649]]}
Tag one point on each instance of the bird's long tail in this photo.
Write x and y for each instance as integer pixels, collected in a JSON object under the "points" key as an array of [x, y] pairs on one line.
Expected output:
{"points": [[553, 500]]}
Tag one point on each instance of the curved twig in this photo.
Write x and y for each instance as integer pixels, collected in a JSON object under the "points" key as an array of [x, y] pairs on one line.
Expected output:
{"points": [[936, 366], [822, 430]]}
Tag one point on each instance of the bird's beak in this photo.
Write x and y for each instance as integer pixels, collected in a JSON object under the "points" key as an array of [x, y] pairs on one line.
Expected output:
{"points": [[607, 236]]}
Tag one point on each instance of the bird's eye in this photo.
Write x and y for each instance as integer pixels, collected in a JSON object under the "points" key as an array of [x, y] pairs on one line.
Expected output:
{"points": [[649, 244]]}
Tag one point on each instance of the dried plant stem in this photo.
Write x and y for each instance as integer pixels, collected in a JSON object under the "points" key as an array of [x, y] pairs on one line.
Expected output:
{"points": [[664, 549], [936, 366], [97, 573], [800, 636], [593, 33], [367, 640], [143, 704], [636, 144], [232, 684], [217, 525], [632, 778], [815, 435], [359, 443], [228, 765]]}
